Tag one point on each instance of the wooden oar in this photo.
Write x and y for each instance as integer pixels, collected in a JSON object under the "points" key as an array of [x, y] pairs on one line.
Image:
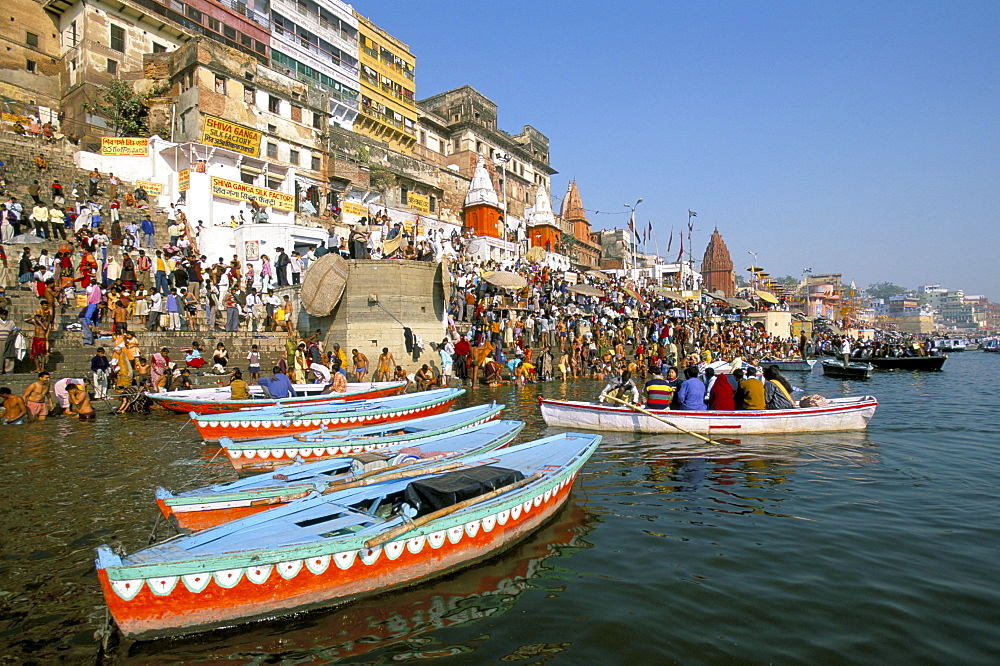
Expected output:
{"points": [[660, 418], [441, 513], [367, 476]]}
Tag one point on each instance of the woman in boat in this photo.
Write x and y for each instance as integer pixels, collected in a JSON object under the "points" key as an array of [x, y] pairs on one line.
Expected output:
{"points": [[777, 390], [721, 395]]}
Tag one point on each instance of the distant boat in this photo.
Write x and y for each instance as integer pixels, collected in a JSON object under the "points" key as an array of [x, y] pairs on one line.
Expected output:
{"points": [[908, 362], [330, 549], [853, 370]]}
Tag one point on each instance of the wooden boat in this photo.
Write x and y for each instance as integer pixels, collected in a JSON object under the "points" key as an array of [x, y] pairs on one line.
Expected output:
{"points": [[216, 504], [265, 455], [217, 399], [908, 362], [791, 365], [279, 420], [853, 370], [840, 414], [330, 549]]}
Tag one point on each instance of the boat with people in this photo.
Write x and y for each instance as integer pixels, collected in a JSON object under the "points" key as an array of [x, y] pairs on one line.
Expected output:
{"points": [[853, 370], [837, 414], [222, 502], [908, 362], [280, 420], [219, 399], [329, 549], [265, 455]]}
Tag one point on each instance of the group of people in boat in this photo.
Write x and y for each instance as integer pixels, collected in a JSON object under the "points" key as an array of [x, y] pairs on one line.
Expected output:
{"points": [[744, 389]]}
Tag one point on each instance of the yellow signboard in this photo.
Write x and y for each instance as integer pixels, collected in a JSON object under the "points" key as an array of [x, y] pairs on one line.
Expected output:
{"points": [[230, 189], [222, 133], [184, 180], [418, 201], [354, 208], [128, 146], [156, 189]]}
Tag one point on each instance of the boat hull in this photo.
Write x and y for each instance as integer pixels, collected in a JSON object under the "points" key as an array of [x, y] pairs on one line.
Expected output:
{"points": [[256, 456], [216, 401], [853, 370], [909, 362], [281, 421], [841, 414], [215, 505], [791, 366], [158, 595]]}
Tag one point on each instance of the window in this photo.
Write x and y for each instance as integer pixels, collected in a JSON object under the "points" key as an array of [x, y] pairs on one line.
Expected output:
{"points": [[220, 84], [193, 14], [159, 48], [117, 38], [246, 40], [273, 184], [432, 203], [293, 156], [229, 31], [249, 94], [316, 163], [273, 104], [296, 113], [272, 150], [260, 47], [112, 67], [404, 193], [31, 66], [72, 34], [272, 129], [246, 177], [213, 24], [31, 39]]}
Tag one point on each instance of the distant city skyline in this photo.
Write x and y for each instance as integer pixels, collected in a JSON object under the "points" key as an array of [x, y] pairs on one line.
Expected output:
{"points": [[848, 137]]}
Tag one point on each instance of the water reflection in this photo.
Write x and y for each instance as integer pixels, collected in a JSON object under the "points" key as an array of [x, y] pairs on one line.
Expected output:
{"points": [[397, 624]]}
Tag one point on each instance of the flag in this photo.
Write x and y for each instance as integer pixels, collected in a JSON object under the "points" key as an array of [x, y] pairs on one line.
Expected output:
{"points": [[680, 255], [631, 222], [691, 213], [650, 229], [670, 242]]}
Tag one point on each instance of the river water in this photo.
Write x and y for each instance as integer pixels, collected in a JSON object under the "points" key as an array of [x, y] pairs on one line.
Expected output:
{"points": [[879, 546]]}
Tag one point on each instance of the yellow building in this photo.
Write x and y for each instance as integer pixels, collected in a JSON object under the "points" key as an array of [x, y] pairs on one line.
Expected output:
{"points": [[388, 110]]}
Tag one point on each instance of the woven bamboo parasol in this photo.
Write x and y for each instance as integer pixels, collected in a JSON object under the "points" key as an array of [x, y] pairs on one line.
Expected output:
{"points": [[323, 284]]}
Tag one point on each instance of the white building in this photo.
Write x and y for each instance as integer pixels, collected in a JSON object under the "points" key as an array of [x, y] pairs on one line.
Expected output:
{"points": [[316, 42]]}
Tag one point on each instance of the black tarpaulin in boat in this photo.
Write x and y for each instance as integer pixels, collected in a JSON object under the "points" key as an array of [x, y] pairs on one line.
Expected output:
{"points": [[448, 489]]}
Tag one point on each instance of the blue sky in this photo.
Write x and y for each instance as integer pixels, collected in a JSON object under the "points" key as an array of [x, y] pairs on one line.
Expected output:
{"points": [[852, 137]]}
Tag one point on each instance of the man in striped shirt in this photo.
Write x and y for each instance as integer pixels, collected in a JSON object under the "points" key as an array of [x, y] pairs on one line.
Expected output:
{"points": [[659, 393]]}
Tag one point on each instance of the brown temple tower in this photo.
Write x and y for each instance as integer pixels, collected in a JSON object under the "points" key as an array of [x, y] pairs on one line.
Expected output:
{"points": [[717, 266], [588, 253]]}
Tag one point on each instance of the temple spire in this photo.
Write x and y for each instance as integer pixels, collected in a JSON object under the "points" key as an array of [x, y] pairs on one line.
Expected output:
{"points": [[481, 189], [542, 213]]}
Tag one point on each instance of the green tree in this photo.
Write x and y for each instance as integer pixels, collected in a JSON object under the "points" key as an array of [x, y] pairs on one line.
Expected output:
{"points": [[124, 109], [789, 282], [885, 290]]}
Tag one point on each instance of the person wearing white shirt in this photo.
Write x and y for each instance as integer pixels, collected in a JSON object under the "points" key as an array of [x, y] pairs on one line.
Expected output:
{"points": [[155, 309]]}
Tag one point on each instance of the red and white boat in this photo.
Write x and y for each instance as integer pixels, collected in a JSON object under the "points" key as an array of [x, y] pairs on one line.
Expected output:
{"points": [[284, 419], [218, 399], [839, 414]]}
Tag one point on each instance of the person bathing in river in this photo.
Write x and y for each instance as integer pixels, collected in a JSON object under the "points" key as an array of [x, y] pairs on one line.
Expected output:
{"points": [[79, 403], [14, 410]]}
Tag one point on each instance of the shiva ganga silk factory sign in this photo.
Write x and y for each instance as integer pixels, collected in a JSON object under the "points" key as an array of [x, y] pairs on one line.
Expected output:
{"points": [[124, 146], [230, 189], [224, 134]]}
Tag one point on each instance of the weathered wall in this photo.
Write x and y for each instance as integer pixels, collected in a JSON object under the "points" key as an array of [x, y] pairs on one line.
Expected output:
{"points": [[40, 87], [409, 293]]}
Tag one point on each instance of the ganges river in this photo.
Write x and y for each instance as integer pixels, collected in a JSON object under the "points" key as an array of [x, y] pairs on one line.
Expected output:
{"points": [[872, 547]]}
